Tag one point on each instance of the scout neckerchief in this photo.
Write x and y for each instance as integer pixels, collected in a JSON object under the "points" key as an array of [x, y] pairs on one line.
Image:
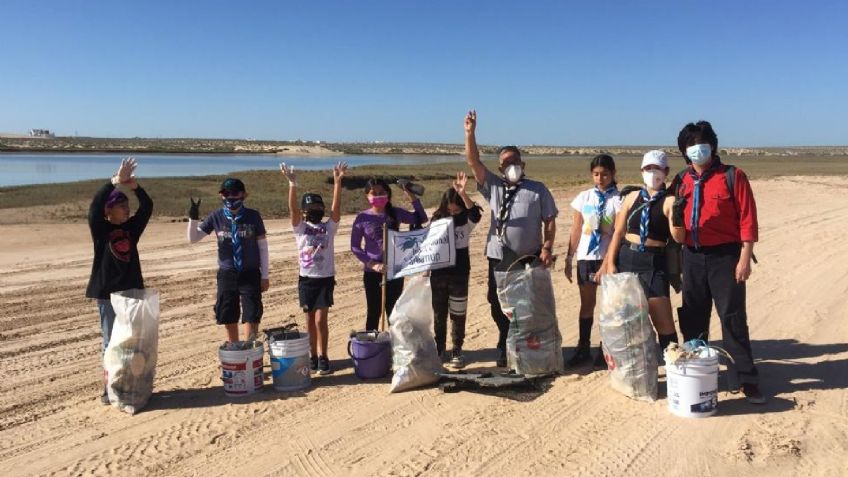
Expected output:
{"points": [[509, 192], [645, 218], [698, 198], [234, 235], [595, 239]]}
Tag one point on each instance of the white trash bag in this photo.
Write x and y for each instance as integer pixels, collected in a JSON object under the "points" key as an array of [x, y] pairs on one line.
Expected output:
{"points": [[628, 337], [130, 358], [414, 356], [533, 343]]}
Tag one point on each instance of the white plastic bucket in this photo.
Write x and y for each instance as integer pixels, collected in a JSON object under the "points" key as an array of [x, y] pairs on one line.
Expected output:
{"points": [[290, 363], [693, 386], [241, 370]]}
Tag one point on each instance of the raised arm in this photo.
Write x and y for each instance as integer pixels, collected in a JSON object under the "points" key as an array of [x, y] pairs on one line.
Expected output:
{"points": [[472, 154], [96, 217], [145, 208], [338, 175], [294, 209]]}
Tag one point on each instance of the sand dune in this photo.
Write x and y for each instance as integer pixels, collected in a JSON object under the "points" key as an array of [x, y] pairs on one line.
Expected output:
{"points": [[52, 423]]}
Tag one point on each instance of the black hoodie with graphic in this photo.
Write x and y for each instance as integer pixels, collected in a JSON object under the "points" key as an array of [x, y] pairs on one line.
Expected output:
{"points": [[116, 265]]}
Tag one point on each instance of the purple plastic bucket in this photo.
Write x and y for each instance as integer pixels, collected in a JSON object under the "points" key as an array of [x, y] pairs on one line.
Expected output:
{"points": [[371, 359]]}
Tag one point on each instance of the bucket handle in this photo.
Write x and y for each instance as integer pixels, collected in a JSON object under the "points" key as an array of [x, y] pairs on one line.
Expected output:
{"points": [[350, 353]]}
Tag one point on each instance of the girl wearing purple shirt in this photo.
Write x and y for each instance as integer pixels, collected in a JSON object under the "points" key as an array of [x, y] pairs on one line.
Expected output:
{"points": [[366, 242]]}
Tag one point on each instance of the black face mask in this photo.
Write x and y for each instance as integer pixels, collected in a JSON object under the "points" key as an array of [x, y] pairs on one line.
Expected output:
{"points": [[460, 219], [314, 216]]}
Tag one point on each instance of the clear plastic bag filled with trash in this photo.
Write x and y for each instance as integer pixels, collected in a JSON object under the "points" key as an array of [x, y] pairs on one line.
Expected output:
{"points": [[130, 358], [628, 336], [415, 359], [534, 343]]}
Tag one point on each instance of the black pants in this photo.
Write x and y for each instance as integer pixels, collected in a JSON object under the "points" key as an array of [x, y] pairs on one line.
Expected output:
{"points": [[709, 275], [374, 298], [450, 297], [497, 314]]}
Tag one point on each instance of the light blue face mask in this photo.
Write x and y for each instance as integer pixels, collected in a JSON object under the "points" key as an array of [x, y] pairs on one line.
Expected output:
{"points": [[699, 154]]}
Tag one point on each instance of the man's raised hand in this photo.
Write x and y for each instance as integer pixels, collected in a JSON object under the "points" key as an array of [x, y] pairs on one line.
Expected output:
{"points": [[471, 121]]}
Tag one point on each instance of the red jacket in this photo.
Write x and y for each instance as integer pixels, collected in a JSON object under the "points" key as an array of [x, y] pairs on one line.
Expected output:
{"points": [[723, 219]]}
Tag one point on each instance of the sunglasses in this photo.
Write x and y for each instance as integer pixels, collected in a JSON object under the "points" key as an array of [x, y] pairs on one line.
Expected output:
{"points": [[231, 193]]}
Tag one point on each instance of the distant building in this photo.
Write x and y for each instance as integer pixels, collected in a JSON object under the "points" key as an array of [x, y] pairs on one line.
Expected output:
{"points": [[41, 133]]}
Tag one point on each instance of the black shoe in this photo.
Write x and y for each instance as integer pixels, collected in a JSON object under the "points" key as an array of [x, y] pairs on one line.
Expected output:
{"points": [[457, 361], [752, 393], [582, 354], [501, 361], [104, 398], [324, 366], [600, 362], [313, 364]]}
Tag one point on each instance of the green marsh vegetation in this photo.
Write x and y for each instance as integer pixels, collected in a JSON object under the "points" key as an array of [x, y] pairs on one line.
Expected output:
{"points": [[267, 189]]}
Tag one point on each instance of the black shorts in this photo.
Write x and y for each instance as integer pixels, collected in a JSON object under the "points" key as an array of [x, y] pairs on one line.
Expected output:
{"points": [[648, 265], [235, 287], [586, 267], [315, 293]]}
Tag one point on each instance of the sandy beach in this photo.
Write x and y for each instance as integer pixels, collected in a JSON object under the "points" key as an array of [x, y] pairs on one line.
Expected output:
{"points": [[52, 421]]}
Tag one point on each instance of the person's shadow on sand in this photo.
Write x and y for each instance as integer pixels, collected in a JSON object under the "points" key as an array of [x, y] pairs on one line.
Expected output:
{"points": [[781, 374]]}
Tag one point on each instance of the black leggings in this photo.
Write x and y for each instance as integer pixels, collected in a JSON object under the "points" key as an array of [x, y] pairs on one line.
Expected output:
{"points": [[373, 297], [450, 297]]}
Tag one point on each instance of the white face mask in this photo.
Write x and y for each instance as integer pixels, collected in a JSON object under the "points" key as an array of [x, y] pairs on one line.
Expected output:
{"points": [[699, 154], [653, 178], [513, 173]]}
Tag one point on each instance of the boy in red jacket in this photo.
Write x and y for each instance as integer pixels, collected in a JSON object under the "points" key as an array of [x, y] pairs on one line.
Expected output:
{"points": [[718, 211]]}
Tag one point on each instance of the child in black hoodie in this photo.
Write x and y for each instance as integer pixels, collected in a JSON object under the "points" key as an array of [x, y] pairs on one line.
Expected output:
{"points": [[115, 235]]}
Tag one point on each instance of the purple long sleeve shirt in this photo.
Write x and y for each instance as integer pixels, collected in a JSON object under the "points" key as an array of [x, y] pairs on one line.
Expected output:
{"points": [[369, 226]]}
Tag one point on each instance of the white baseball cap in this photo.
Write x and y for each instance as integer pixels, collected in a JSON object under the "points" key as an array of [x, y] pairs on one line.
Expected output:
{"points": [[655, 158]]}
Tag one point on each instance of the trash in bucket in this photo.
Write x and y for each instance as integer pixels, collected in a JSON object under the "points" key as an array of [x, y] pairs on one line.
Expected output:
{"points": [[692, 377], [241, 367], [288, 350], [371, 352]]}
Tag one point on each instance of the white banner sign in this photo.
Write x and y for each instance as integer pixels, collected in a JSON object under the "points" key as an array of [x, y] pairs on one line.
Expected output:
{"points": [[420, 250]]}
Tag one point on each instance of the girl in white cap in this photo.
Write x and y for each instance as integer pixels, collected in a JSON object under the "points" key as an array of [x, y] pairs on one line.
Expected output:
{"points": [[646, 227]]}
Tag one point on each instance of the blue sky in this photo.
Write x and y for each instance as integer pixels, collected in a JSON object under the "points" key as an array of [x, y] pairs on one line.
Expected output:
{"points": [[558, 72]]}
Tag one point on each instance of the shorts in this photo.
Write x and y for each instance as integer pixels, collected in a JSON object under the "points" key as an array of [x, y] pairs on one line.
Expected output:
{"points": [[234, 286], [585, 268], [315, 293], [648, 265]]}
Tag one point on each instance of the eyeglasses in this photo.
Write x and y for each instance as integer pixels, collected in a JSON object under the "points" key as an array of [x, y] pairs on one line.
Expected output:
{"points": [[231, 193]]}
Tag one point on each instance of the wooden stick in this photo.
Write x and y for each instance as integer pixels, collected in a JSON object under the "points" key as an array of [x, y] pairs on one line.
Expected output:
{"points": [[383, 287]]}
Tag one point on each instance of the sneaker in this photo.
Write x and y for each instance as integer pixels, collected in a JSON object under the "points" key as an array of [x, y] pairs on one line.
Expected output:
{"points": [[501, 361], [600, 361], [581, 355], [104, 398], [456, 360], [324, 366], [752, 393], [313, 364]]}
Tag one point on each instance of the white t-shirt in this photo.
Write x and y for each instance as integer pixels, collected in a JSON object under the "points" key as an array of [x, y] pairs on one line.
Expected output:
{"points": [[315, 246], [587, 204]]}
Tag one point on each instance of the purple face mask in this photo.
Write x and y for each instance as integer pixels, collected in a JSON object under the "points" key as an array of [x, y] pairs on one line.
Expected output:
{"points": [[378, 201]]}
